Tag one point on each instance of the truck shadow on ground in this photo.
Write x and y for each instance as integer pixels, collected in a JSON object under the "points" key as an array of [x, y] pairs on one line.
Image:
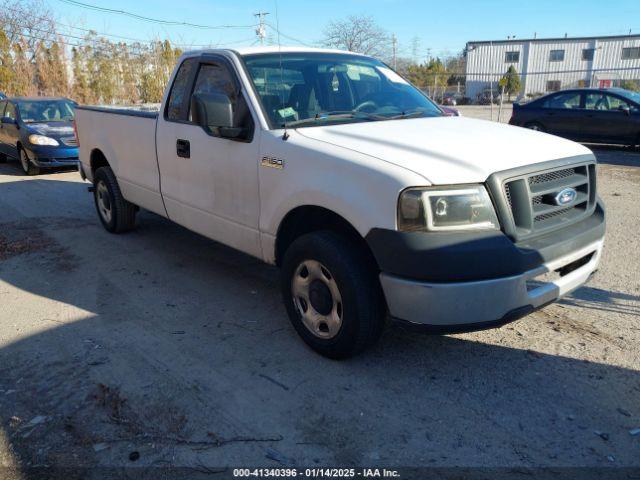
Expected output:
{"points": [[166, 344]]}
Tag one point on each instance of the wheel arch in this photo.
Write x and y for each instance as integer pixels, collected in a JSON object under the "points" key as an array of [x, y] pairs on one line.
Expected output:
{"points": [[97, 159], [312, 218]]}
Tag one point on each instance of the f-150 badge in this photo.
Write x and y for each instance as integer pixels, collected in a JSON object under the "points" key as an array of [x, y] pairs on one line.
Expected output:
{"points": [[272, 162]]}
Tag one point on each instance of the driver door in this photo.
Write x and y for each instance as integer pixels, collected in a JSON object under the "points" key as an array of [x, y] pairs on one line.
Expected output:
{"points": [[3, 104], [605, 121], [9, 132], [210, 183]]}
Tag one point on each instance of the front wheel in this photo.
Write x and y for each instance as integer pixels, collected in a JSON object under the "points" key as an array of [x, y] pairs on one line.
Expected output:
{"points": [[332, 294], [116, 214], [28, 167]]}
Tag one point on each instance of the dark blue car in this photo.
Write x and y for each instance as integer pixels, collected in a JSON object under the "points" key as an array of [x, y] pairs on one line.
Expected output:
{"points": [[591, 115], [38, 132]]}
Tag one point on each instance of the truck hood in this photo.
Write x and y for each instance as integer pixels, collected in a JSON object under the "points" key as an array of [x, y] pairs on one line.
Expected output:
{"points": [[448, 150]]}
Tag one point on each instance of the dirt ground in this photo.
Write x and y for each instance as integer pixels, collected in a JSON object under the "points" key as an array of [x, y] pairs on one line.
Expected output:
{"points": [[160, 348]]}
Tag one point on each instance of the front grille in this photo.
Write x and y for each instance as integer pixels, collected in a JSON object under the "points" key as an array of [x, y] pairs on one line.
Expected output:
{"points": [[532, 199], [70, 141], [551, 176]]}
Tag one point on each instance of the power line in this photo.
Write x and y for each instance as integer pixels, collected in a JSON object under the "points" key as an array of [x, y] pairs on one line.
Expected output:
{"points": [[102, 34], [149, 19], [293, 39]]}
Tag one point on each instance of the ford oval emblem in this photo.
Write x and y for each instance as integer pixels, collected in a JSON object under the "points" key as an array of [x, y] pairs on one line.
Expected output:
{"points": [[566, 196]]}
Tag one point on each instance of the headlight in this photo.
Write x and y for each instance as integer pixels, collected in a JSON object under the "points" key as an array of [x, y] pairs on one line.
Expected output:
{"points": [[42, 140], [465, 207]]}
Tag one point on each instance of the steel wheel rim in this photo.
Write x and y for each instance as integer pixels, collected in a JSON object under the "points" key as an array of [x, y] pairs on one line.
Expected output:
{"points": [[104, 201], [24, 161], [306, 275]]}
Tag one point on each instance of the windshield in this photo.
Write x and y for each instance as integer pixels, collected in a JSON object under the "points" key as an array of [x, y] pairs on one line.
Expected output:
{"points": [[319, 88], [46, 111]]}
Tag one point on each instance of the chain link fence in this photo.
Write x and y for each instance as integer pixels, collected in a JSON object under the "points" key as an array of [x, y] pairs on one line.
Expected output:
{"points": [[485, 88]]}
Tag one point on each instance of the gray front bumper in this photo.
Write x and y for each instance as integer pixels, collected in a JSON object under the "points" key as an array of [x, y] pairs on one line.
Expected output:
{"points": [[485, 301]]}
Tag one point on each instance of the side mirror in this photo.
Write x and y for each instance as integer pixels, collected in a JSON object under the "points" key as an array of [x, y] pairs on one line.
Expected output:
{"points": [[214, 113], [625, 109], [8, 121]]}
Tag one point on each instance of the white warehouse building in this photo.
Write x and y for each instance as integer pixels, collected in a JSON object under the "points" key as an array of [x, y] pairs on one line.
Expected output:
{"points": [[550, 64]]}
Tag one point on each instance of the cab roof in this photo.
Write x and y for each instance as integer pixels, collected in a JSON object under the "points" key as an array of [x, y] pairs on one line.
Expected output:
{"points": [[270, 50]]}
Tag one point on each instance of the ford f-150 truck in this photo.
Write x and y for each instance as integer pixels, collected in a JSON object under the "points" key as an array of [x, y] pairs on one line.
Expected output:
{"points": [[373, 203]]}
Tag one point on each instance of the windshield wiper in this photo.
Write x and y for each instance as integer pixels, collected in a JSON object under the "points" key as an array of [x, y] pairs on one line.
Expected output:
{"points": [[414, 114], [338, 115]]}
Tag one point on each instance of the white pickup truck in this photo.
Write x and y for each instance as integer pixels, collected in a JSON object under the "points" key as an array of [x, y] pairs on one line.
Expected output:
{"points": [[373, 203]]}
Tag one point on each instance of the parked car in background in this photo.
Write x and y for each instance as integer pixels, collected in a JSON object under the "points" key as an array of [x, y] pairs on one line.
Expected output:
{"points": [[450, 112], [486, 97], [587, 115], [38, 132], [455, 98], [355, 184], [2, 96]]}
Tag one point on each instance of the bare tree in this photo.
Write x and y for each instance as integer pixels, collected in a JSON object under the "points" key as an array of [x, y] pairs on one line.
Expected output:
{"points": [[28, 21], [358, 33]]}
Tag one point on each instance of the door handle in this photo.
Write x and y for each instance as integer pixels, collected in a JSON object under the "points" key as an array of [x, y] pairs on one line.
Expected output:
{"points": [[183, 148]]}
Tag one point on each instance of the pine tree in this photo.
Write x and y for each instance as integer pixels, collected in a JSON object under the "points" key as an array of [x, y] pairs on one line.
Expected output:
{"points": [[510, 82]]}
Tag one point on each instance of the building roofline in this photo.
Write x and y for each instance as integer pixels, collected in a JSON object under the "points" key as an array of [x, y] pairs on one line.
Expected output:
{"points": [[553, 39]]}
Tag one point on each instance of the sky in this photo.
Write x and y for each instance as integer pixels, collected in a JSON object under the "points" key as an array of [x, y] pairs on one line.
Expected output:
{"points": [[442, 28]]}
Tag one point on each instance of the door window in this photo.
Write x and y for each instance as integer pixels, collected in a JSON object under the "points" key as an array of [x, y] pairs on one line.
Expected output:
{"points": [[602, 101], [10, 111], [564, 101], [213, 78], [216, 78], [616, 103], [175, 110]]}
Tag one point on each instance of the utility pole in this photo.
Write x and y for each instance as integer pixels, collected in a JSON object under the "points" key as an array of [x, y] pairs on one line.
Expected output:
{"points": [[394, 42], [261, 30], [415, 46], [491, 77]]}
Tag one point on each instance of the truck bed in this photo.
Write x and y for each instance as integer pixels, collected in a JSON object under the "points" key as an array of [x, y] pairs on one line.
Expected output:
{"points": [[147, 111], [127, 138]]}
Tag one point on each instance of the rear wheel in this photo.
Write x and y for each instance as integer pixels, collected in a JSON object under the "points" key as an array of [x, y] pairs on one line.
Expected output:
{"points": [[28, 167], [116, 214], [332, 294], [535, 126]]}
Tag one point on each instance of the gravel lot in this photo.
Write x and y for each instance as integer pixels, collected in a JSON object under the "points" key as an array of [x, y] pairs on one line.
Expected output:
{"points": [[161, 348], [484, 112]]}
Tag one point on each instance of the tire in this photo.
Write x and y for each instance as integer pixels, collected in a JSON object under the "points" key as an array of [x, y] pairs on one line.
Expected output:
{"points": [[116, 214], [27, 167], [538, 127], [358, 305]]}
